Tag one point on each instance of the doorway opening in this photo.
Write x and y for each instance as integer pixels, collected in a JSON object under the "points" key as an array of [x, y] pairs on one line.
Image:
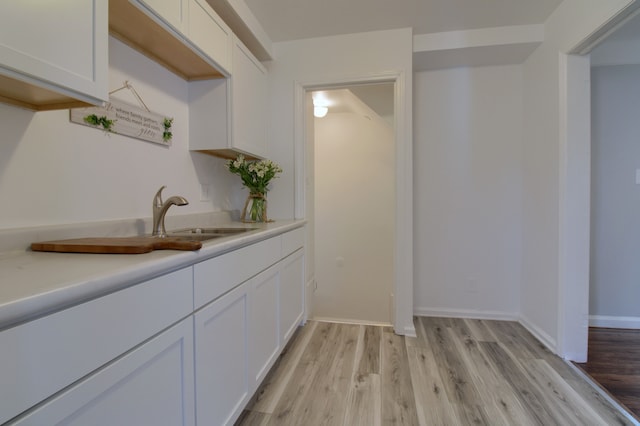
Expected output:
{"points": [[402, 300], [353, 152]]}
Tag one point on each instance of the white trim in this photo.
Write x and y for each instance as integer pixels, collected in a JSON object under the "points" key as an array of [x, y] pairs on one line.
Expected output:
{"points": [[605, 395], [403, 250], [350, 321], [466, 313], [574, 206], [598, 36], [538, 333], [299, 151], [614, 321], [410, 331]]}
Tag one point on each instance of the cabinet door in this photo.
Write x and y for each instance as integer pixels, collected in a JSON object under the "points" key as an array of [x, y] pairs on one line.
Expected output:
{"points": [[210, 34], [264, 330], [172, 12], [43, 356], [291, 294], [151, 385], [221, 350], [58, 46], [249, 102]]}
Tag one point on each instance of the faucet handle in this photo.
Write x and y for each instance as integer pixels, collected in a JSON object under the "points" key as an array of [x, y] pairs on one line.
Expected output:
{"points": [[157, 200]]}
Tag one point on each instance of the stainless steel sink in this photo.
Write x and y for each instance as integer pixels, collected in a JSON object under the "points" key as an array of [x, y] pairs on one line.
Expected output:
{"points": [[203, 234], [192, 237]]}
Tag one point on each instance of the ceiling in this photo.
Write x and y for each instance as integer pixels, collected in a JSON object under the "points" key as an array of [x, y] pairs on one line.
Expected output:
{"points": [[377, 97], [285, 20]]}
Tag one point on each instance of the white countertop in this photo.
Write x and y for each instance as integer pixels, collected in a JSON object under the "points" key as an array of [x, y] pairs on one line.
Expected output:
{"points": [[33, 284]]}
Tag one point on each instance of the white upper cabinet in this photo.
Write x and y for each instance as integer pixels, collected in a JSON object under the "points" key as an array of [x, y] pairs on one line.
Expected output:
{"points": [[229, 117], [185, 36], [248, 102], [173, 12], [209, 33], [53, 55]]}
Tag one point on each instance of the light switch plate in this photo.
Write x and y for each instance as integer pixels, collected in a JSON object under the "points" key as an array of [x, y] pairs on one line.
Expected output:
{"points": [[205, 192], [637, 176]]}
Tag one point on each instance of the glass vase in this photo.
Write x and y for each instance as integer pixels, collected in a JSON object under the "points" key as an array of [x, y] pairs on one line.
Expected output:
{"points": [[255, 208]]}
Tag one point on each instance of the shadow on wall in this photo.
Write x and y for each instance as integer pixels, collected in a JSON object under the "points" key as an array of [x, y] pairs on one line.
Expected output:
{"points": [[14, 123]]}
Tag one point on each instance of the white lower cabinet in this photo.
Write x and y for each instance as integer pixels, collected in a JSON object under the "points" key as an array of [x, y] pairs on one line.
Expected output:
{"points": [[151, 385], [239, 335], [291, 294], [189, 347], [264, 346], [222, 339]]}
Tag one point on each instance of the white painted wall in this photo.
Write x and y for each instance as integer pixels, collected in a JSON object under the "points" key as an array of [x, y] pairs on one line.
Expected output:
{"points": [[346, 59], [550, 253], [354, 216], [468, 186], [55, 172], [615, 202]]}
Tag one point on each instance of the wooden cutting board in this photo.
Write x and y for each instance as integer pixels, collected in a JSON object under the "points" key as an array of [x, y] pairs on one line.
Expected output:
{"points": [[117, 245]]}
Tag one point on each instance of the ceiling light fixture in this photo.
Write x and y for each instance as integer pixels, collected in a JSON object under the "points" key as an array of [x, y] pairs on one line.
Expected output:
{"points": [[320, 106], [320, 111]]}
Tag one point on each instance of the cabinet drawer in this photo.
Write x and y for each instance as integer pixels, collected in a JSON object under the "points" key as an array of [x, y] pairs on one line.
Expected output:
{"points": [[214, 277], [152, 385], [41, 357], [292, 241]]}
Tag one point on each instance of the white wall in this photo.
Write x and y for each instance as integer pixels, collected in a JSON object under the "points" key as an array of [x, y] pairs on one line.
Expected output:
{"points": [[346, 59], [468, 186], [615, 202], [354, 217], [544, 290], [321, 60], [56, 172]]}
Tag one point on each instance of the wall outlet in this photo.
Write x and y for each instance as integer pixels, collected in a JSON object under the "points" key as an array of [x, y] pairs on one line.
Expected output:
{"points": [[205, 192]]}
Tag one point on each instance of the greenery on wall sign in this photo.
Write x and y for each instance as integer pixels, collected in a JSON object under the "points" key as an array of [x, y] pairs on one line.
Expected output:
{"points": [[167, 135], [103, 121]]}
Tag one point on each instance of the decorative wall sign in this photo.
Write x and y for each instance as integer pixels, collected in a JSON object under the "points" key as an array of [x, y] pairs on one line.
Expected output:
{"points": [[125, 119]]}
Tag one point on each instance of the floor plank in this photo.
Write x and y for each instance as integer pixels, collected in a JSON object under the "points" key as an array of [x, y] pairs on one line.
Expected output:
{"points": [[500, 403], [432, 404], [455, 372], [364, 396], [398, 402]]}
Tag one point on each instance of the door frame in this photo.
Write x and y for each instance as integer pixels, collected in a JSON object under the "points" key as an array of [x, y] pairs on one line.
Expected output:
{"points": [[575, 189], [402, 314]]}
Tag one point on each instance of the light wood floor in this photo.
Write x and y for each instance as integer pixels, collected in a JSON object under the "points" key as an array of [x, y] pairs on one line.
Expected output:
{"points": [[456, 372]]}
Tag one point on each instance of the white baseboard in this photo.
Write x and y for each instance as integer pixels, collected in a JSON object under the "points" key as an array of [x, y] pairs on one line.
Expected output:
{"points": [[614, 322], [539, 334], [409, 331], [465, 313], [350, 321]]}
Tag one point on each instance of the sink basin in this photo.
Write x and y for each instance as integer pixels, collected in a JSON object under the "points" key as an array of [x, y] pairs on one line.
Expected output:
{"points": [[192, 237], [203, 234]]}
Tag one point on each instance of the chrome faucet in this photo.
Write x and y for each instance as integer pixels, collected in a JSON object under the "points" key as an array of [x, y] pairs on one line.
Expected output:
{"points": [[160, 210]]}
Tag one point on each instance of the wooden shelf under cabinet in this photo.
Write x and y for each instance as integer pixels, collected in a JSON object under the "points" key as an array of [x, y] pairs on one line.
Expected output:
{"points": [[130, 25], [227, 154], [29, 96]]}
